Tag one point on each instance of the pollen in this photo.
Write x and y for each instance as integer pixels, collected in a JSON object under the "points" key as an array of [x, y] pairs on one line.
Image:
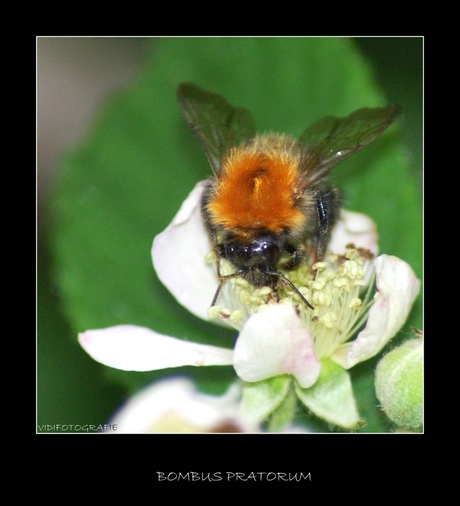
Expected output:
{"points": [[337, 290], [340, 305], [355, 303], [236, 316], [258, 187]]}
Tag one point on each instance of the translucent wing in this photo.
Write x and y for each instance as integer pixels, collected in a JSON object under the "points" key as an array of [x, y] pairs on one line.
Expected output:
{"points": [[332, 139], [217, 124]]}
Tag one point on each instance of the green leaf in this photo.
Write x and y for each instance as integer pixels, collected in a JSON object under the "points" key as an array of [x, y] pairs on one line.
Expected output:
{"points": [[127, 179]]}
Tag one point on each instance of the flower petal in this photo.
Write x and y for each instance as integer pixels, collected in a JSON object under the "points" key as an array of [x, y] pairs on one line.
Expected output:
{"points": [[397, 288], [132, 348], [179, 254], [276, 342], [354, 228]]}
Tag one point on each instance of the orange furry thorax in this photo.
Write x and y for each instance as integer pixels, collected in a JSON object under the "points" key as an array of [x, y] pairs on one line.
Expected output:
{"points": [[258, 186]]}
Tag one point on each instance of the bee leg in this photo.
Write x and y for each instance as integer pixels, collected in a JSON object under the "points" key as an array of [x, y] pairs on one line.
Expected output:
{"points": [[219, 288], [327, 207], [219, 275], [222, 280], [218, 265]]}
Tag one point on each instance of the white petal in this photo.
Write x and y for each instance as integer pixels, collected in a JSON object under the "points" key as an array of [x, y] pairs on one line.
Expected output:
{"points": [[276, 342], [179, 253], [354, 228], [174, 405], [132, 348], [397, 288]]}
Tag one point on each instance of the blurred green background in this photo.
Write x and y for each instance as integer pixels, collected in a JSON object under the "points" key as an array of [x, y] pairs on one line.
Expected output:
{"points": [[79, 80]]}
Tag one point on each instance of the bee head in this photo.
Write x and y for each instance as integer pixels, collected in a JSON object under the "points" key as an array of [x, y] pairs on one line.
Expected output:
{"points": [[255, 260]]}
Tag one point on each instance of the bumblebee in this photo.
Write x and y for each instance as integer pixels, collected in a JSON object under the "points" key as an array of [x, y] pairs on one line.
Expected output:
{"points": [[269, 204]]}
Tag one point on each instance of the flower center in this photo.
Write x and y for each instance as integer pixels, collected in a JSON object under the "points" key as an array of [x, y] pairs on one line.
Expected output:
{"points": [[341, 304], [334, 287]]}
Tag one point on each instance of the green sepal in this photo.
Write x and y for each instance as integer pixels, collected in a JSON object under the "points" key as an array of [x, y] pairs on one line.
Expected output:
{"points": [[283, 415], [331, 397], [261, 398]]}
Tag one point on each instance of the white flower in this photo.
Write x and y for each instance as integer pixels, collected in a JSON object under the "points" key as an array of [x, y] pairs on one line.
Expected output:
{"points": [[275, 339], [173, 405]]}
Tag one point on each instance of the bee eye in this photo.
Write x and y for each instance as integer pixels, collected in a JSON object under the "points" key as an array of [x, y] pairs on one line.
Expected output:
{"points": [[268, 251], [236, 252]]}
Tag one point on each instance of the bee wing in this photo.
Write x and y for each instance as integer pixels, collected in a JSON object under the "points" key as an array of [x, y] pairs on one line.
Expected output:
{"points": [[332, 139], [216, 123]]}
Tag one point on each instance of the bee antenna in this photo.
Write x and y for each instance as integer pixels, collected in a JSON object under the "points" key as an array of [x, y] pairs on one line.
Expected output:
{"points": [[279, 274], [296, 290]]}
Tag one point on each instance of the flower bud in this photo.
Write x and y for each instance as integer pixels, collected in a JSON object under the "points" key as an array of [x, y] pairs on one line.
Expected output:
{"points": [[399, 384]]}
